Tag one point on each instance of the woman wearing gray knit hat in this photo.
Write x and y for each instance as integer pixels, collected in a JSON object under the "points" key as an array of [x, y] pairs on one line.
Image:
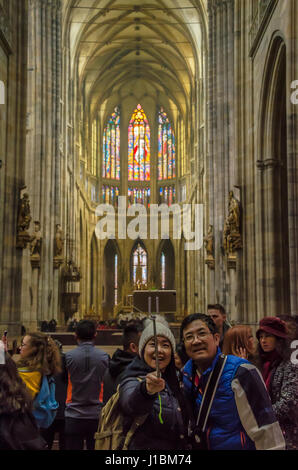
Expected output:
{"points": [[159, 398]]}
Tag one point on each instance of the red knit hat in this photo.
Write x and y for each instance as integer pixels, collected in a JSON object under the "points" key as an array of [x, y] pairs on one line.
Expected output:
{"points": [[273, 326]]}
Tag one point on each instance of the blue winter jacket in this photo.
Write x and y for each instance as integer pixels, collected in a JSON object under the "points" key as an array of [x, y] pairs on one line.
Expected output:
{"points": [[241, 416]]}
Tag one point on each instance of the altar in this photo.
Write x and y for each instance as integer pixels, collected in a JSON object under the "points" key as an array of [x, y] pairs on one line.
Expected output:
{"points": [[166, 301]]}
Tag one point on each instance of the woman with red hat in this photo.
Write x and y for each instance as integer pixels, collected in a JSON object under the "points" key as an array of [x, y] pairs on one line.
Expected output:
{"points": [[280, 375]]}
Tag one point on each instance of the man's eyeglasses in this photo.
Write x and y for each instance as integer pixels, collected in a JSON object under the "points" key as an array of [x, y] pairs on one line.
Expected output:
{"points": [[191, 337]]}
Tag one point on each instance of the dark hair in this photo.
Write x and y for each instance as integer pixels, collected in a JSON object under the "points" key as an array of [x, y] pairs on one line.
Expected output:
{"points": [[131, 334], [13, 392], [282, 348], [198, 316], [292, 325], [180, 350], [85, 330], [218, 307], [175, 384]]}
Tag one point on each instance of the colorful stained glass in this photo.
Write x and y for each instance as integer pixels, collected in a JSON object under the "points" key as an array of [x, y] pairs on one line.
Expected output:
{"points": [[139, 196], [163, 271], [110, 195], [94, 148], [167, 195], [111, 147], [139, 266], [166, 148], [116, 279], [139, 146]]}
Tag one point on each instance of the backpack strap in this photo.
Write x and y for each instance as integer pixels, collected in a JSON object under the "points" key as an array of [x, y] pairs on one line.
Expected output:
{"points": [[138, 421], [209, 393]]}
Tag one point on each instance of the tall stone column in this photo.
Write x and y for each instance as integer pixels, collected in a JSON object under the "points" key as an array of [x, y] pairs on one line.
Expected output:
{"points": [[42, 167], [13, 31], [292, 164], [221, 145]]}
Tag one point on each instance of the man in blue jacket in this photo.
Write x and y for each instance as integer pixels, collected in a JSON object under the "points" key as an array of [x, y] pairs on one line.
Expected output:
{"points": [[241, 416]]}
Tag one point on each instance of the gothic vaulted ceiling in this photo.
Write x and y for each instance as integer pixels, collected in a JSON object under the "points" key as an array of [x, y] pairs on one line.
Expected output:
{"points": [[119, 46]]}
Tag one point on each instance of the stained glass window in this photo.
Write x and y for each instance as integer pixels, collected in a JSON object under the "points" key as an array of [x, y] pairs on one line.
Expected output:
{"points": [[110, 195], [167, 195], [139, 146], [94, 148], [139, 266], [116, 279], [163, 271], [139, 196], [111, 147], [166, 148]]}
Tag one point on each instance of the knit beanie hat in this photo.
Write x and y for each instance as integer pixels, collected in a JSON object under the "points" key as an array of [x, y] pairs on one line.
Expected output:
{"points": [[162, 329]]}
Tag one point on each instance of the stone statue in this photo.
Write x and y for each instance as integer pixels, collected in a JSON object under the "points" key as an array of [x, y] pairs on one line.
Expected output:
{"points": [[35, 241], [23, 222], [209, 242], [231, 235], [24, 216], [59, 241], [209, 246]]}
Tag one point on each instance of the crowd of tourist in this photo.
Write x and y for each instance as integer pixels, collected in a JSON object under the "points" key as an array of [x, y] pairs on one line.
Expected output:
{"points": [[220, 387]]}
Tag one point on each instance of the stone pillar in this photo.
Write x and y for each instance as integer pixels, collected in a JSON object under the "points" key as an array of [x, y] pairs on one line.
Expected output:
{"points": [[42, 172], [292, 165], [13, 58], [221, 145]]}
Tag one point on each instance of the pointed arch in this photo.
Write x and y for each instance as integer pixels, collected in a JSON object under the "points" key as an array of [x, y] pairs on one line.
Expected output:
{"points": [[94, 272], [166, 265], [139, 265], [273, 182], [111, 277]]}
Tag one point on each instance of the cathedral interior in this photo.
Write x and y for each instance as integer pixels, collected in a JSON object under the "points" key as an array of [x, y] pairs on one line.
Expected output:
{"points": [[119, 106]]}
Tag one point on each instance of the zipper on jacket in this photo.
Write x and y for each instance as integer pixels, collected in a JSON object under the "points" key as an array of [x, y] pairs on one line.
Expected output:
{"points": [[243, 439]]}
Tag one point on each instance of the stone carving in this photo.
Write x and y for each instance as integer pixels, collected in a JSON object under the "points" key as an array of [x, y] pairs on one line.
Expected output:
{"points": [[71, 272], [58, 247], [35, 242], [35, 245], [232, 240], [24, 216], [208, 240], [23, 222], [59, 240], [209, 246]]}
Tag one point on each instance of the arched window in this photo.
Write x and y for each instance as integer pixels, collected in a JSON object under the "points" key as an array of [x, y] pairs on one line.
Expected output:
{"points": [[167, 195], [139, 146], [163, 270], [116, 279], [139, 267], [139, 196], [166, 264], [166, 148], [94, 148], [111, 147], [111, 285], [110, 195]]}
